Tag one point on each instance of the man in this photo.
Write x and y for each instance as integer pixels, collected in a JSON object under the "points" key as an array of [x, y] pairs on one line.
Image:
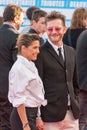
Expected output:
{"points": [[57, 70], [82, 76], [29, 13], [13, 18], [38, 23]]}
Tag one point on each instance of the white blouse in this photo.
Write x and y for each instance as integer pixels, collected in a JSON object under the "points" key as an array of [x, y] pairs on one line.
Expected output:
{"points": [[25, 85]]}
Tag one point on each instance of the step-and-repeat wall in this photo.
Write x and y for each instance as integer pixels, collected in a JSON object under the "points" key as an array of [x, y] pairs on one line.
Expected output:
{"points": [[65, 6]]}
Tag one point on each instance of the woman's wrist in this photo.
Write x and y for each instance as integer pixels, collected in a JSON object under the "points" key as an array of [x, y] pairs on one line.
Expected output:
{"points": [[38, 117], [25, 125]]}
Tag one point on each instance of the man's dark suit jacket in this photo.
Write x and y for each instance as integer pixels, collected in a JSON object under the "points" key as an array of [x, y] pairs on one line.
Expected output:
{"points": [[8, 52], [82, 60], [58, 80], [8, 36]]}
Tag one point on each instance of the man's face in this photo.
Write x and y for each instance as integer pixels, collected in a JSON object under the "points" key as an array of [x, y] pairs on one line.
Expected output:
{"points": [[55, 31], [19, 20], [40, 25]]}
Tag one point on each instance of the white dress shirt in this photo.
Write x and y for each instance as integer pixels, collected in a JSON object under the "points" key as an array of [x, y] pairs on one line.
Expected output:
{"points": [[25, 85], [55, 47]]}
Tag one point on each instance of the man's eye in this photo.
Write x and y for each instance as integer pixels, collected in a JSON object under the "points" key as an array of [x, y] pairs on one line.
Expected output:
{"points": [[57, 29], [50, 29]]}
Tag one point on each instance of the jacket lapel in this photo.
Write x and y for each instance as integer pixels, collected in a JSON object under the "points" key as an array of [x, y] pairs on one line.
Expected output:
{"points": [[66, 55]]}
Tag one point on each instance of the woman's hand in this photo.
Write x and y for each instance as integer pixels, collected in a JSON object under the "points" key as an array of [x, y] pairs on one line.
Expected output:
{"points": [[39, 124]]}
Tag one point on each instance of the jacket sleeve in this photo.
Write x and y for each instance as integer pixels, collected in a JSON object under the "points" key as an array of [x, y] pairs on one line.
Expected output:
{"points": [[40, 65]]}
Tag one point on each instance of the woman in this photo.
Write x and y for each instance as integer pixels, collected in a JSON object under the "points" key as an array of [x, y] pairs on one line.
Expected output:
{"points": [[26, 91], [78, 25]]}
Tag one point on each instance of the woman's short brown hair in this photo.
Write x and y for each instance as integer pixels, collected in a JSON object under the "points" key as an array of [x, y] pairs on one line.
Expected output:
{"points": [[26, 40]]}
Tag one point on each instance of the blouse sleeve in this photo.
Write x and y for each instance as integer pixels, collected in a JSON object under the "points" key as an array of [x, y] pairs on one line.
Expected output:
{"points": [[17, 88]]}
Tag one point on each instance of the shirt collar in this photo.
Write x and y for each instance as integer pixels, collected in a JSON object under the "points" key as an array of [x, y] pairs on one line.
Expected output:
{"points": [[23, 58], [55, 46], [8, 23], [28, 63]]}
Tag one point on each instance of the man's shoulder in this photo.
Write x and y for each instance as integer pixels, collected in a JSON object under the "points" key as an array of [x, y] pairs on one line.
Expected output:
{"points": [[84, 32], [82, 36], [32, 31], [45, 45], [70, 50], [8, 31], [82, 40]]}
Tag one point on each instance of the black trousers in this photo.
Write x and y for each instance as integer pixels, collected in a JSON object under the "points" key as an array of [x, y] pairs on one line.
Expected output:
{"points": [[16, 123], [5, 111], [83, 110]]}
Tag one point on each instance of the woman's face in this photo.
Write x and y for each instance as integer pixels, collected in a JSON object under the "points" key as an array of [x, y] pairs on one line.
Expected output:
{"points": [[31, 51]]}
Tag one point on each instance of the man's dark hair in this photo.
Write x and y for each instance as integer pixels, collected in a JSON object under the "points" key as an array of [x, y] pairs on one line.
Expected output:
{"points": [[55, 15], [30, 11], [37, 14]]}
